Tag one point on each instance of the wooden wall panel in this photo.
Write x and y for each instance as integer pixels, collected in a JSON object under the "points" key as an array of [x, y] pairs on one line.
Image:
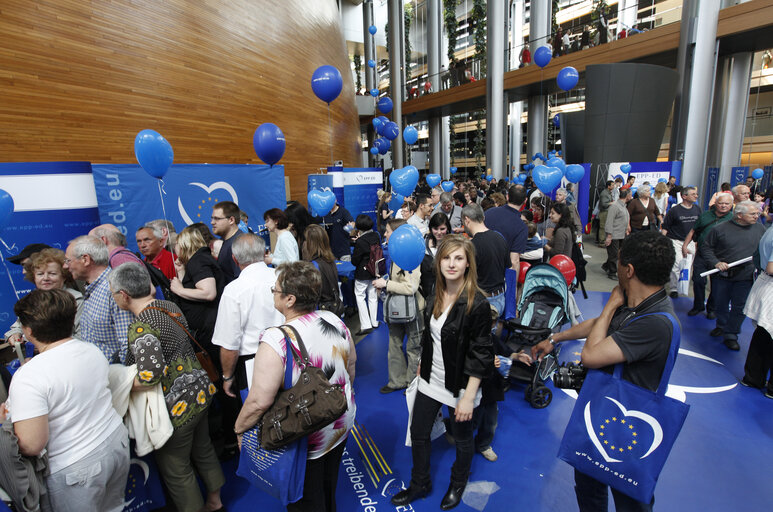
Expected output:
{"points": [[79, 79]]}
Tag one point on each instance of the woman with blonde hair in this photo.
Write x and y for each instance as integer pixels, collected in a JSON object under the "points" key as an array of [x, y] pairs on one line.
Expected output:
{"points": [[661, 197], [456, 353]]}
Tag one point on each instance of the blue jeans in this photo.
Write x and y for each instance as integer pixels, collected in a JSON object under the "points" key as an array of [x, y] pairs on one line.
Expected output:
{"points": [[498, 301], [733, 294], [592, 496]]}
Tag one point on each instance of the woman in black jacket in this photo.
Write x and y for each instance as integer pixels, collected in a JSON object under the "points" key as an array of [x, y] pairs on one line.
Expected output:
{"points": [[363, 278], [456, 354]]}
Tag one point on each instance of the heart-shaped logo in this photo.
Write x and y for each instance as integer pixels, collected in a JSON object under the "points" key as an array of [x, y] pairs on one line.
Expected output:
{"points": [[616, 435], [321, 201], [218, 185], [447, 186], [404, 180], [547, 178]]}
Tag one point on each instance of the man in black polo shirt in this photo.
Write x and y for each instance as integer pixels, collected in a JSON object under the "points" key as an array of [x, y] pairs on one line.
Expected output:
{"points": [[506, 220], [335, 222], [492, 255], [617, 336], [225, 224]]}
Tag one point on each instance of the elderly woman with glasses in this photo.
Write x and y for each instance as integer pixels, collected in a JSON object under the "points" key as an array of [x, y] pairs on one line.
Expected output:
{"points": [[330, 346]]}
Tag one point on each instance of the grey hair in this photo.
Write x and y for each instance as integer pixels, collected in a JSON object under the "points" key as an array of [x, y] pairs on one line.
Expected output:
{"points": [[163, 224], [157, 232], [688, 189], [562, 190], [745, 207], [91, 245], [248, 248], [131, 277], [474, 212], [644, 188], [113, 235], [446, 197], [737, 189]]}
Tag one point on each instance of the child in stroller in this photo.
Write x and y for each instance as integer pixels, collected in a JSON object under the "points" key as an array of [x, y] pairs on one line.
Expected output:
{"points": [[542, 310]]}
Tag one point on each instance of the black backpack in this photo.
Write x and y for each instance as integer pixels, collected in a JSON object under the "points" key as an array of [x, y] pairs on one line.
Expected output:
{"points": [[579, 265], [427, 279]]}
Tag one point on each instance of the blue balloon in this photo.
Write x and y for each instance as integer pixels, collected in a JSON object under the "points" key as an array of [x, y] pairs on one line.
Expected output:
{"points": [[326, 82], [382, 128], [541, 157], [374, 92], [625, 167], [385, 105], [453, 170], [433, 180], [557, 121], [404, 180], [556, 162], [153, 152], [662, 180], [321, 201], [269, 143], [374, 150], [384, 146], [6, 208], [371, 63], [523, 177], [758, 173], [396, 202], [567, 78], [410, 135], [525, 167], [447, 186], [542, 56], [574, 173], [372, 29], [376, 123], [559, 154], [531, 166], [490, 177], [406, 247], [391, 131], [551, 153], [546, 178]]}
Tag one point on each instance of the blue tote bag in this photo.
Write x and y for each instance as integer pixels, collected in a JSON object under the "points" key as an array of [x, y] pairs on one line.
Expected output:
{"points": [[281, 472], [621, 434]]}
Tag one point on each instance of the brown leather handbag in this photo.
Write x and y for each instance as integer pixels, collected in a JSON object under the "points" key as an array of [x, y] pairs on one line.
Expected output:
{"points": [[311, 404], [202, 355]]}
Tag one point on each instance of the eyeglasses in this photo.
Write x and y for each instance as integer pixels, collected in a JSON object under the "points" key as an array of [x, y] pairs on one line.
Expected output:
{"points": [[215, 219], [274, 290], [67, 261]]}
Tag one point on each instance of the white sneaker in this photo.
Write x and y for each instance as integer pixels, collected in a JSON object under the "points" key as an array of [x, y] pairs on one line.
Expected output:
{"points": [[489, 454]]}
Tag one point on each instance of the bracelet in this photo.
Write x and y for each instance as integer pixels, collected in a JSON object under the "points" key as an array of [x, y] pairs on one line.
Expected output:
{"points": [[226, 379], [551, 340]]}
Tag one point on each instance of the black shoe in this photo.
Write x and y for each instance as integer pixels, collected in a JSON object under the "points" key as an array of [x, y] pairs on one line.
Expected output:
{"points": [[673, 295], [453, 496], [386, 389], [732, 344], [711, 315], [410, 494], [747, 384], [768, 393], [364, 332], [694, 312], [604, 267], [716, 331]]}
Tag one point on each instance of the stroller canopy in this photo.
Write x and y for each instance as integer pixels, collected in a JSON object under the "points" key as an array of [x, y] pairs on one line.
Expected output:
{"points": [[545, 277]]}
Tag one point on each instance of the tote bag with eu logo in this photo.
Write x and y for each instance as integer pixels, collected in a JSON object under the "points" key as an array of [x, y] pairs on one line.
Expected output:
{"points": [[621, 434]]}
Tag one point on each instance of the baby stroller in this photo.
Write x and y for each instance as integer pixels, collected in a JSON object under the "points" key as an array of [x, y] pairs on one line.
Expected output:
{"points": [[541, 311]]}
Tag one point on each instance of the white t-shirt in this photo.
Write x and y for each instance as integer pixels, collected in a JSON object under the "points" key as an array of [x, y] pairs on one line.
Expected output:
{"points": [[436, 388], [423, 225], [69, 384]]}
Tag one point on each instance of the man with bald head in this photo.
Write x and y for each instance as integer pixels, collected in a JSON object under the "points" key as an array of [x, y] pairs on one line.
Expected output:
{"points": [[115, 241], [741, 193]]}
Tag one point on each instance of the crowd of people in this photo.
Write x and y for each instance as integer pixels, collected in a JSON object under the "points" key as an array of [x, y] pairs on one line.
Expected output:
{"points": [[187, 317]]}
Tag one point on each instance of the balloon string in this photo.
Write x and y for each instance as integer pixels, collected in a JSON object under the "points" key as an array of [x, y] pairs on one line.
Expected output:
{"points": [[330, 130], [8, 272], [161, 194]]}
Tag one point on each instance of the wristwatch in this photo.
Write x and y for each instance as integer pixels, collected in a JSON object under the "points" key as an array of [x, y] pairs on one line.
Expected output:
{"points": [[551, 340], [226, 379]]}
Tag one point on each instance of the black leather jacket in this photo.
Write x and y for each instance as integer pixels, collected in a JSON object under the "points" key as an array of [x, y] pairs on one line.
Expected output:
{"points": [[466, 340]]}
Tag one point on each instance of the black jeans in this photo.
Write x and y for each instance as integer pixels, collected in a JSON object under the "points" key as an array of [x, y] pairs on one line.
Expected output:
{"points": [[759, 360], [612, 249], [319, 486], [592, 496], [425, 410], [730, 294], [699, 286]]}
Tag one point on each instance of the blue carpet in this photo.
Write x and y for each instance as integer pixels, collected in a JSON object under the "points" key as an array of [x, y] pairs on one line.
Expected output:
{"points": [[719, 463]]}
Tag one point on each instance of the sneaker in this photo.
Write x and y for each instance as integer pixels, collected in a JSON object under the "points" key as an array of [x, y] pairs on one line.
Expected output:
{"points": [[746, 383], [716, 331], [386, 390], [732, 344], [489, 454], [768, 394], [694, 312], [673, 295]]}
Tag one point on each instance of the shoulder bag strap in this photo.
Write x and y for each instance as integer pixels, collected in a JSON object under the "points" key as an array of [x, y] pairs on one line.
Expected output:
{"points": [[301, 347], [173, 317], [672, 352], [288, 383]]}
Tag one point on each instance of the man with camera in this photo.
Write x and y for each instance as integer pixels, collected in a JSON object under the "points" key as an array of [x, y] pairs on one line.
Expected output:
{"points": [[619, 336]]}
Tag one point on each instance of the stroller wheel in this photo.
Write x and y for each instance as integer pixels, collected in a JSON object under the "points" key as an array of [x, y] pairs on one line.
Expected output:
{"points": [[527, 393], [539, 397]]}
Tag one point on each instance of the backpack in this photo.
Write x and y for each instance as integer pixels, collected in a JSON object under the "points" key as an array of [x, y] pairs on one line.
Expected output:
{"points": [[427, 279], [376, 263], [579, 265]]}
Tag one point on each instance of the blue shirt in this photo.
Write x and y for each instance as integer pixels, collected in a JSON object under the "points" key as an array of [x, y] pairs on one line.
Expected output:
{"points": [[766, 248], [507, 222], [103, 323]]}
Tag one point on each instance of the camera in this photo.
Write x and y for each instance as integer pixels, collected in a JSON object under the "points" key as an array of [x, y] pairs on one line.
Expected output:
{"points": [[570, 376]]}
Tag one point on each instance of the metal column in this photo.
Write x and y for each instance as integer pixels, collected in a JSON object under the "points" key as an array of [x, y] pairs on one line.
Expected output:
{"points": [[539, 34], [396, 81], [627, 11], [700, 92], [434, 14], [370, 47], [495, 83], [516, 107]]}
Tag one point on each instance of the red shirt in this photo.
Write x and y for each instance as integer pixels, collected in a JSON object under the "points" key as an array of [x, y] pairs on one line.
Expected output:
{"points": [[164, 261]]}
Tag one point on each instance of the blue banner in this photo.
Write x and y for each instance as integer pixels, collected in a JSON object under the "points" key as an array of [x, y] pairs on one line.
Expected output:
{"points": [[54, 202], [712, 185], [738, 175], [128, 197]]}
